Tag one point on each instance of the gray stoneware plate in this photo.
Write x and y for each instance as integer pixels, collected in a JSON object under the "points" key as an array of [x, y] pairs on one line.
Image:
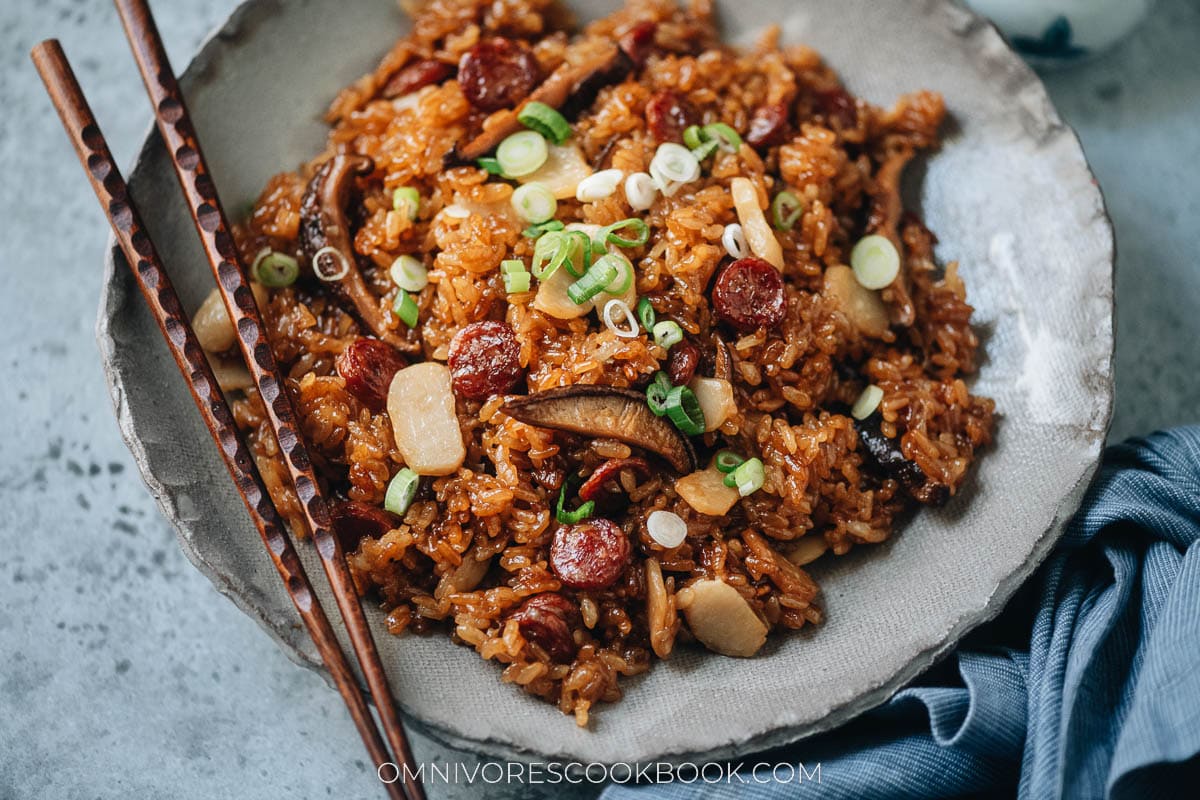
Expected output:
{"points": [[1010, 197]]}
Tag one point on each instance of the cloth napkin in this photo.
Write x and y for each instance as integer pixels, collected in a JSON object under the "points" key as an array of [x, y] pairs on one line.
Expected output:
{"points": [[1087, 686]]}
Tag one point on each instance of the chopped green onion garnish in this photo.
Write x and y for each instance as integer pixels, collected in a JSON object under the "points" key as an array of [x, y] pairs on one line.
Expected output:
{"points": [[705, 149], [667, 333], [409, 273], [522, 153], [534, 231], [638, 227], [551, 250], [407, 199], [401, 491], [786, 209], [489, 165], [691, 137], [516, 282], [656, 393], [624, 278], [510, 266], [275, 269], [724, 135], [546, 121], [594, 281], [571, 517], [683, 409], [728, 461], [405, 308], [579, 256], [645, 314], [875, 261], [748, 478], [534, 202], [673, 165]]}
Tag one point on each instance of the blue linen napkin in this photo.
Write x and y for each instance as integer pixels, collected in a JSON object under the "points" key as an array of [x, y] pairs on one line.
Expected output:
{"points": [[1087, 686]]}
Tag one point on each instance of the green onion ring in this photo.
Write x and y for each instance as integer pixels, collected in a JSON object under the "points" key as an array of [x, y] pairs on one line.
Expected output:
{"points": [[645, 313], [578, 515], [785, 210], [727, 461], [401, 491], [641, 233], [656, 393], [624, 278], [275, 269], [405, 307], [545, 120], [667, 333], [683, 409], [579, 241], [593, 282], [725, 136]]}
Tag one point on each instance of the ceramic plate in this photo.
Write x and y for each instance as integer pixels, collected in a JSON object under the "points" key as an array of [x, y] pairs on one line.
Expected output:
{"points": [[1010, 197]]}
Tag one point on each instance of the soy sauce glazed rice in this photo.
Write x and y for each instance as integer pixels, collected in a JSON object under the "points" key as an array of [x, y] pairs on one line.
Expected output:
{"points": [[492, 540]]}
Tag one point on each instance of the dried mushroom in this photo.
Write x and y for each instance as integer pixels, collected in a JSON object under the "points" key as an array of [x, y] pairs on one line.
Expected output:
{"points": [[605, 412]]}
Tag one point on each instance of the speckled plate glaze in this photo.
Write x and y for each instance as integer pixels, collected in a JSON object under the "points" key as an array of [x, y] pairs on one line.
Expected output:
{"points": [[1010, 197]]}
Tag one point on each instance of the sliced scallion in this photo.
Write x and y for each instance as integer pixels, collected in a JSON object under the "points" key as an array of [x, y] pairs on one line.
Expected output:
{"points": [[691, 137], [785, 210], [667, 333], [638, 227], [546, 121], [534, 231], [516, 282], [598, 186], [516, 279], [602, 273], [579, 256], [405, 307], [409, 273], [683, 409], [640, 191], [522, 153], [645, 313], [656, 393], [747, 478], [489, 165], [275, 269], [875, 261], [406, 199], [571, 517], [534, 202], [727, 461], [673, 165], [705, 149], [614, 308], [551, 250], [624, 277], [724, 135], [401, 491]]}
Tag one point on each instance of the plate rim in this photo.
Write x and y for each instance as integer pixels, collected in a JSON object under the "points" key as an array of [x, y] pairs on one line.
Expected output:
{"points": [[965, 23]]}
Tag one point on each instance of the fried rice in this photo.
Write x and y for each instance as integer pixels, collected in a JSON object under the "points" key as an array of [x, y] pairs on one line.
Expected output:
{"points": [[474, 546]]}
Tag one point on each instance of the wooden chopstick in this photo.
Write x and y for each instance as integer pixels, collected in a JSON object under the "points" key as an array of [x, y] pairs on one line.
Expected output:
{"points": [[179, 136], [156, 288]]}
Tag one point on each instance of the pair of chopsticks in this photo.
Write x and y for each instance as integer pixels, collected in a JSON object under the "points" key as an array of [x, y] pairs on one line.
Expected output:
{"points": [[179, 137]]}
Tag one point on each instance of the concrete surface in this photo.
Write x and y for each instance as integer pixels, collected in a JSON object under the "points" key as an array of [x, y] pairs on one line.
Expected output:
{"points": [[125, 675]]}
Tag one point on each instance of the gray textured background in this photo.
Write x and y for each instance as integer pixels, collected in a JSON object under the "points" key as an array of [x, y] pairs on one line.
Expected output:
{"points": [[124, 673]]}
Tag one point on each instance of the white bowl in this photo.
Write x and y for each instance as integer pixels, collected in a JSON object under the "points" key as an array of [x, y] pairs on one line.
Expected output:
{"points": [[1051, 32], [1010, 197]]}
